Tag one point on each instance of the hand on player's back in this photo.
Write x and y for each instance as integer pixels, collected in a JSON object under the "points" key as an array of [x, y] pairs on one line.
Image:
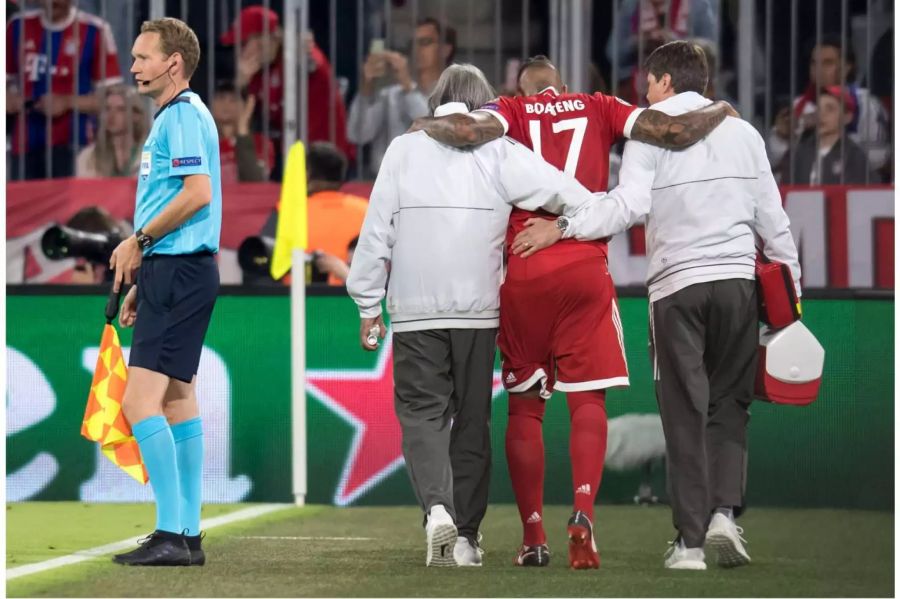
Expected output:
{"points": [[539, 233]]}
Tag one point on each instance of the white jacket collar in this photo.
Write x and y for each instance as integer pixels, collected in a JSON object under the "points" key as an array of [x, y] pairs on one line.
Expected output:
{"points": [[681, 103], [451, 108]]}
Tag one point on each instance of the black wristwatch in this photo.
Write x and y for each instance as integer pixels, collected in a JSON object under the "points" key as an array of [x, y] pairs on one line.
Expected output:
{"points": [[562, 223], [144, 240]]}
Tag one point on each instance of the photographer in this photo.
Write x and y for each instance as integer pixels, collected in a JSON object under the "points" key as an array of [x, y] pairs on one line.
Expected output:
{"points": [[89, 237], [335, 218], [379, 114], [334, 267]]}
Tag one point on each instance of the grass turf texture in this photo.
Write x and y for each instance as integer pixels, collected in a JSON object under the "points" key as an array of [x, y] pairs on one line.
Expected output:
{"points": [[795, 553], [39, 531]]}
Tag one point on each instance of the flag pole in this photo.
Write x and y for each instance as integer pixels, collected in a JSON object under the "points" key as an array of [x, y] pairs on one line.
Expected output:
{"points": [[296, 17], [112, 304], [298, 374]]}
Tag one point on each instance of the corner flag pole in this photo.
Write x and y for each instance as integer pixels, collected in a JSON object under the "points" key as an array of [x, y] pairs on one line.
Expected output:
{"points": [[292, 210], [298, 377]]}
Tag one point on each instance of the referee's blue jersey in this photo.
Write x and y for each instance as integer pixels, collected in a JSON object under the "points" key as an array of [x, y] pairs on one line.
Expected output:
{"points": [[183, 141]]}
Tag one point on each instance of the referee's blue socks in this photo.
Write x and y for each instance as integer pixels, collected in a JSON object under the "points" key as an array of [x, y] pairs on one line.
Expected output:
{"points": [[189, 452], [158, 452]]}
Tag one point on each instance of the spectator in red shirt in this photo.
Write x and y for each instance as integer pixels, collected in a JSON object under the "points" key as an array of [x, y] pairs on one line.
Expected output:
{"points": [[258, 55], [245, 156], [57, 58]]}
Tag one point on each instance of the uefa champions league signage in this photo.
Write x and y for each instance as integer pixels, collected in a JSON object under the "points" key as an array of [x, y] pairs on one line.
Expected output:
{"points": [[31, 399]]}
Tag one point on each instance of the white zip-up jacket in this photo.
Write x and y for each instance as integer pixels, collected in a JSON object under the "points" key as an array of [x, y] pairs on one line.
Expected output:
{"points": [[439, 215], [705, 206]]}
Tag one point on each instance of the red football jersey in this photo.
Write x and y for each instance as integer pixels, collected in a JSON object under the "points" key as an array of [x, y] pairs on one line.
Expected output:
{"points": [[573, 132], [72, 57]]}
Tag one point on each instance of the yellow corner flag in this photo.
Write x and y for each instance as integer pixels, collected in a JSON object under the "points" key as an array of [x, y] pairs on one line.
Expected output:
{"points": [[104, 421], [291, 231]]}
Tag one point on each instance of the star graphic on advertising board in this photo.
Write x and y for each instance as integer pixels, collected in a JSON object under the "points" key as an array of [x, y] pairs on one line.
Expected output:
{"points": [[365, 400]]}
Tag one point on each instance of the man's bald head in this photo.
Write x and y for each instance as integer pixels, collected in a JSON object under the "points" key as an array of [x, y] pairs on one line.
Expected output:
{"points": [[537, 74]]}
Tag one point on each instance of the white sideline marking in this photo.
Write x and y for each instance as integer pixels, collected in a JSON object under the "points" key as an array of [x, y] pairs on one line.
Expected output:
{"points": [[311, 538], [88, 554]]}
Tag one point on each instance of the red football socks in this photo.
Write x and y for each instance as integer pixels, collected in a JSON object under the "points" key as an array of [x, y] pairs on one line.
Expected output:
{"points": [[587, 446], [525, 458]]}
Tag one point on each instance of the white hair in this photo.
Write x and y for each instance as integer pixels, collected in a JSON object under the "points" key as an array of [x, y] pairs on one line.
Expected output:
{"points": [[462, 83]]}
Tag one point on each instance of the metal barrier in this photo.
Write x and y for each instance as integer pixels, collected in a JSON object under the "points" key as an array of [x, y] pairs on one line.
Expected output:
{"points": [[375, 19], [871, 124], [746, 39], [762, 51]]}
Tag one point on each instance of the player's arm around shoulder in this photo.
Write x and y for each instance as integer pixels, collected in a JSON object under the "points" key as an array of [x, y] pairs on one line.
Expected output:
{"points": [[681, 131], [461, 130]]}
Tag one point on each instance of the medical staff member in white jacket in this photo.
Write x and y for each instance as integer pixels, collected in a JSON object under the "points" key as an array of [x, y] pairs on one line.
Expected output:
{"points": [[705, 208], [437, 221]]}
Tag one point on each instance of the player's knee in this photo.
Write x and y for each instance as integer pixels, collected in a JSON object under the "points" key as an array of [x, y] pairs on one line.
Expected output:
{"points": [[528, 403], [593, 397]]}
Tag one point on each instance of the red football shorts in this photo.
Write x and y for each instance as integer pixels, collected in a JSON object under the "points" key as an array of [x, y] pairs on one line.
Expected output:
{"points": [[562, 330]]}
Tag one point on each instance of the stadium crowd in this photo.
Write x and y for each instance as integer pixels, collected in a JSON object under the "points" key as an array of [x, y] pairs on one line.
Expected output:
{"points": [[72, 109], [559, 328]]}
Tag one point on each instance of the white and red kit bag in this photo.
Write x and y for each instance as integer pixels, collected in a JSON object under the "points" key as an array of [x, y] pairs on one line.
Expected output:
{"points": [[790, 365]]}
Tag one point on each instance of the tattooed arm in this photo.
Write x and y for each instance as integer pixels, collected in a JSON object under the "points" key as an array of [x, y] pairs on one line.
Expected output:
{"points": [[678, 132], [461, 130]]}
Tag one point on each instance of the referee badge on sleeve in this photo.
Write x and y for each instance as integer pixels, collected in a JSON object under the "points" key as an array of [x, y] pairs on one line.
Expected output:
{"points": [[187, 161]]}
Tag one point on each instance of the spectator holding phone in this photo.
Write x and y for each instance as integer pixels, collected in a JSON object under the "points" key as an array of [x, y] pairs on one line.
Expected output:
{"points": [[389, 98]]}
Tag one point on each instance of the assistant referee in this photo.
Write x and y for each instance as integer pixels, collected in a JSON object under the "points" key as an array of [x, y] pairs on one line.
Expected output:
{"points": [[171, 258]]}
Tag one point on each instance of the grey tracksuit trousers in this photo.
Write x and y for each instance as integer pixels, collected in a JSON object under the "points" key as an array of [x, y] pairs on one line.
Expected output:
{"points": [[704, 339], [442, 395]]}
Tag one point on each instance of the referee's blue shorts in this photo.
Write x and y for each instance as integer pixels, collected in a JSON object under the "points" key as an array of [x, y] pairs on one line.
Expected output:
{"points": [[176, 295]]}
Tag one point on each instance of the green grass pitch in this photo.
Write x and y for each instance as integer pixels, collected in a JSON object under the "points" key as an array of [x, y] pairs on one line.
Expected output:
{"points": [[796, 553]]}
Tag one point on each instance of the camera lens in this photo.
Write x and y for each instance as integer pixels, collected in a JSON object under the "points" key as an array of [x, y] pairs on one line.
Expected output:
{"points": [[55, 243]]}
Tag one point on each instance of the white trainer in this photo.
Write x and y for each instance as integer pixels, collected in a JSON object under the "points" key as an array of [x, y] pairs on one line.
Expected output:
{"points": [[467, 554], [679, 557], [440, 538], [724, 536]]}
